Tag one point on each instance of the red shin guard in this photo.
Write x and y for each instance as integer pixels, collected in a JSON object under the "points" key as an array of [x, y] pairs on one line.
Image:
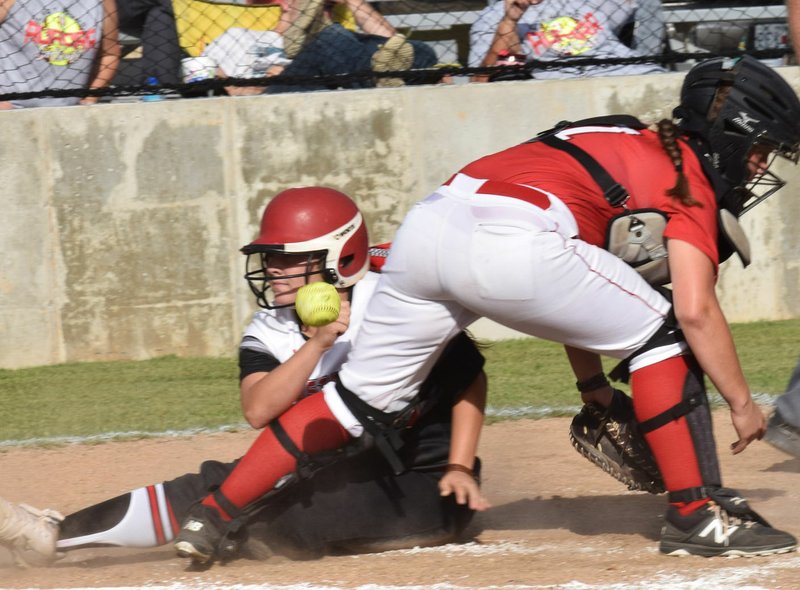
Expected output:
{"points": [[656, 389], [312, 427]]}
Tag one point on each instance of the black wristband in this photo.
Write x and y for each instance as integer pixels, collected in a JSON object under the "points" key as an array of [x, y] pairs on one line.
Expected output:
{"points": [[592, 383]]}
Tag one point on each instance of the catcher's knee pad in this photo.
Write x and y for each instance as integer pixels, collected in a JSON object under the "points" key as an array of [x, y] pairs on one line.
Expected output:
{"points": [[695, 409], [669, 335]]}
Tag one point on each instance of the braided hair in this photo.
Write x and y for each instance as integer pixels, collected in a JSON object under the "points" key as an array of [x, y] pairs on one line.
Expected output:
{"points": [[668, 134]]}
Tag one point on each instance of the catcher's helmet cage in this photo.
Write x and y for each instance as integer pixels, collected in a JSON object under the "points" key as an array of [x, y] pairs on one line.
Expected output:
{"points": [[760, 109], [321, 223]]}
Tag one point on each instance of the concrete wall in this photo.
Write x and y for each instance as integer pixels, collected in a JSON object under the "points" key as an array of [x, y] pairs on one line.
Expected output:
{"points": [[122, 222]]}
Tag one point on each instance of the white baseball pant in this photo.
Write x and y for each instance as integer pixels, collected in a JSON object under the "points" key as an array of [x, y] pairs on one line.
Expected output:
{"points": [[464, 253]]}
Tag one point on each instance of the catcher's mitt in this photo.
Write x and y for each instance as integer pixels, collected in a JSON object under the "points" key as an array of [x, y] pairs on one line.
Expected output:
{"points": [[610, 438]]}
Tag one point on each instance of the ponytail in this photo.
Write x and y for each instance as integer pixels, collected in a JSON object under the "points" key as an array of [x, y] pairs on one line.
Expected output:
{"points": [[668, 134]]}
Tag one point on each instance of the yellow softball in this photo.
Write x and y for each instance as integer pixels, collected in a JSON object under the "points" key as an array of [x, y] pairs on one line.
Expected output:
{"points": [[317, 304]]}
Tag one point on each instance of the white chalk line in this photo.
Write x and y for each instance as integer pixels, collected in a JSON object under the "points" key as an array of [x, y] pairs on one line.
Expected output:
{"points": [[535, 412], [728, 578], [118, 436]]}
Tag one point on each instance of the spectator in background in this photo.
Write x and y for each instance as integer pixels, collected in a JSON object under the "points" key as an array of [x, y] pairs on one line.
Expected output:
{"points": [[335, 50], [153, 22], [308, 42], [550, 30], [57, 45], [245, 53]]}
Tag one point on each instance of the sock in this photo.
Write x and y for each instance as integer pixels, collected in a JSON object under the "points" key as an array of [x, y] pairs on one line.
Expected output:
{"points": [[657, 388], [141, 518], [312, 427]]}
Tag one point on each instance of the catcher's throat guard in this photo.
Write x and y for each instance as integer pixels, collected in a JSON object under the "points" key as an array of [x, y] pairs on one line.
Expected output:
{"points": [[732, 236]]}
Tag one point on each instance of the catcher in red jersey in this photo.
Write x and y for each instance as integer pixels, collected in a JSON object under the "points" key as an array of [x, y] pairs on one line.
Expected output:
{"points": [[561, 238]]}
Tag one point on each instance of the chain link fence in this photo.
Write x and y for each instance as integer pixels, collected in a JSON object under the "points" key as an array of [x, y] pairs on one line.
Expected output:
{"points": [[70, 51]]}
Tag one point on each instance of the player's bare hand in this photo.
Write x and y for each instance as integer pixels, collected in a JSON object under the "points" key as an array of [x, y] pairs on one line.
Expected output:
{"points": [[516, 8], [465, 489], [750, 424], [325, 336]]}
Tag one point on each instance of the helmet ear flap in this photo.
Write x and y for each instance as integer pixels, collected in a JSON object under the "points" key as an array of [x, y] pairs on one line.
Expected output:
{"points": [[353, 258]]}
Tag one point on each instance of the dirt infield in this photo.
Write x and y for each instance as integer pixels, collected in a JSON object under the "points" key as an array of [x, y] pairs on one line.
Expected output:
{"points": [[556, 522]]}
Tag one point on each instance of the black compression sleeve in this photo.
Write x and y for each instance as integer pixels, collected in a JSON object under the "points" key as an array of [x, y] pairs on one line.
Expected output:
{"points": [[253, 361]]}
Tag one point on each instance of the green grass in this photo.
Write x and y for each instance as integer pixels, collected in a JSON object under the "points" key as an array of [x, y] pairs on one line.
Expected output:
{"points": [[534, 373], [170, 393], [81, 399]]}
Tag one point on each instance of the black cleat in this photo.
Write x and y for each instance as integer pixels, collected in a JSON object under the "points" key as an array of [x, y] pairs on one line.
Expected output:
{"points": [[201, 534], [713, 531]]}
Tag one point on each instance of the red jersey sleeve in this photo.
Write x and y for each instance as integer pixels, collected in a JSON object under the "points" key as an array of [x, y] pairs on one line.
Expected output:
{"points": [[695, 224]]}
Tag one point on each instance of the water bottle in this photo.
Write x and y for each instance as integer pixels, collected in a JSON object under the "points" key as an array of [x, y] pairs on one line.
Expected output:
{"points": [[152, 81]]}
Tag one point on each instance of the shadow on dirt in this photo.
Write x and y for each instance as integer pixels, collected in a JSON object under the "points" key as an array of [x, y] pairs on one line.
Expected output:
{"points": [[630, 514]]}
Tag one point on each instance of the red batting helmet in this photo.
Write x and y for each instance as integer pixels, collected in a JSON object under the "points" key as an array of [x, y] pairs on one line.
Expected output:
{"points": [[316, 221]]}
